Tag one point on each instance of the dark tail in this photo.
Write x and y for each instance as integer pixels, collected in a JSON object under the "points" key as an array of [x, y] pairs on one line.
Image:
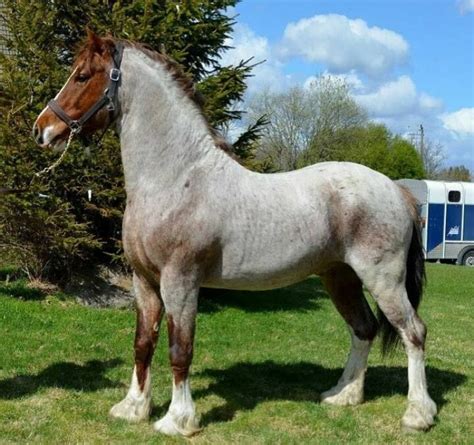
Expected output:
{"points": [[414, 282]]}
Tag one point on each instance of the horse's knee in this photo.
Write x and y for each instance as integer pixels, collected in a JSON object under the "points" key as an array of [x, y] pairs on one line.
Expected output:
{"points": [[144, 347]]}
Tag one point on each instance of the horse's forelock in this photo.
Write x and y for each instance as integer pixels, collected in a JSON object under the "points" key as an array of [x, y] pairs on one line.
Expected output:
{"points": [[94, 52]]}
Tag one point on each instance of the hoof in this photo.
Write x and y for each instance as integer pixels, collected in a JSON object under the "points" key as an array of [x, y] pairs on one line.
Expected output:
{"points": [[343, 396], [419, 416], [172, 426], [132, 410]]}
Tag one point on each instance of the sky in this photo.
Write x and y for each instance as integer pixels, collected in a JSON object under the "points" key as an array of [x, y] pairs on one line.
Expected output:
{"points": [[407, 62]]}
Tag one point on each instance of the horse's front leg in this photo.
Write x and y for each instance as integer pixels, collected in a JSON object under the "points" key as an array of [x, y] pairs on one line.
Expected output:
{"points": [[180, 297], [137, 404]]}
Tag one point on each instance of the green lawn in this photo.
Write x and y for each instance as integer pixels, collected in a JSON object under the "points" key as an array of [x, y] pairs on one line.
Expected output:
{"points": [[261, 361]]}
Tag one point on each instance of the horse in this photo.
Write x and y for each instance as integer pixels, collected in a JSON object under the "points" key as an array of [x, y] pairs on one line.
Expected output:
{"points": [[195, 217]]}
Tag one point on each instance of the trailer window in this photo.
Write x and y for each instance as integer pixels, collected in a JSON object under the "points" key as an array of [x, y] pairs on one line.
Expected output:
{"points": [[454, 196]]}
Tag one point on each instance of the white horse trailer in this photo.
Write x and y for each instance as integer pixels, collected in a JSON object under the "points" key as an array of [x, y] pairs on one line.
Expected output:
{"points": [[447, 212]]}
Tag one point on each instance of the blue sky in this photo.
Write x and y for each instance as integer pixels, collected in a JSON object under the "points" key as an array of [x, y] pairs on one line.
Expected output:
{"points": [[409, 62]]}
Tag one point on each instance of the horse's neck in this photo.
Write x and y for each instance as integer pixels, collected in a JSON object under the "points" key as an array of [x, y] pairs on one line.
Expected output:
{"points": [[163, 133]]}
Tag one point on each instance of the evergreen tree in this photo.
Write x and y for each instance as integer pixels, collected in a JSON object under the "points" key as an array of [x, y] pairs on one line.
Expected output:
{"points": [[63, 227]]}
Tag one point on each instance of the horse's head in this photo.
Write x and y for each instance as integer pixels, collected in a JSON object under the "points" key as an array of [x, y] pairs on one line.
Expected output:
{"points": [[86, 101]]}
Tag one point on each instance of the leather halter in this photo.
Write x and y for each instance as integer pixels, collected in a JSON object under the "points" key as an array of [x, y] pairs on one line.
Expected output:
{"points": [[108, 99]]}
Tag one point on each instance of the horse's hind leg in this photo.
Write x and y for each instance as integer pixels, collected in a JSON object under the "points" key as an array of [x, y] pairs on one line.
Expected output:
{"points": [[396, 307], [137, 404], [386, 283], [345, 289]]}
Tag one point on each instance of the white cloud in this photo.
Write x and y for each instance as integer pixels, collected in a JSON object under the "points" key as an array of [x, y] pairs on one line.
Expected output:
{"points": [[344, 44], [460, 122], [465, 6], [392, 98], [459, 151], [247, 44], [396, 98], [428, 102]]}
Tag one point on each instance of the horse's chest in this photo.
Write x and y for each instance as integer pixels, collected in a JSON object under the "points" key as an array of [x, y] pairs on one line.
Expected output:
{"points": [[152, 241]]}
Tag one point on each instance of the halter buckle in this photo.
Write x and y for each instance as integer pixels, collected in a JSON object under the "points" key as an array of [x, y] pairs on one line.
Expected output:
{"points": [[114, 74], [75, 127]]}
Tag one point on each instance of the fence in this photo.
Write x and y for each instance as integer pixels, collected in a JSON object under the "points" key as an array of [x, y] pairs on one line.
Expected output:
{"points": [[4, 32]]}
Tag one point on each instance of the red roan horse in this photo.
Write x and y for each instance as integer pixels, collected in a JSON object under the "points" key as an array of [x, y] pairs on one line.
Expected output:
{"points": [[195, 217]]}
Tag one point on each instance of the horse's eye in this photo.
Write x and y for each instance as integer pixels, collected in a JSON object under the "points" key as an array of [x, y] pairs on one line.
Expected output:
{"points": [[81, 78]]}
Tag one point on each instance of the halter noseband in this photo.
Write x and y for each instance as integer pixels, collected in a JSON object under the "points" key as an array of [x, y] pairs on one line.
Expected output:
{"points": [[108, 99]]}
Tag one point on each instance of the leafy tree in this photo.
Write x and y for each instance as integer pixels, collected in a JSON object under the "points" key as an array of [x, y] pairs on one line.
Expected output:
{"points": [[306, 123], [456, 173], [324, 123], [365, 145], [374, 146], [403, 161], [43, 39], [432, 153], [433, 156]]}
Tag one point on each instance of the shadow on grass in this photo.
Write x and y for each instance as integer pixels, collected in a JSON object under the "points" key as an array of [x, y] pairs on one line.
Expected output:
{"points": [[245, 385], [87, 377], [299, 297], [20, 289]]}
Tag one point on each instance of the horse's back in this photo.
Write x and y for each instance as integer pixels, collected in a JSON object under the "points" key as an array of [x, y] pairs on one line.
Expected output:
{"points": [[353, 195]]}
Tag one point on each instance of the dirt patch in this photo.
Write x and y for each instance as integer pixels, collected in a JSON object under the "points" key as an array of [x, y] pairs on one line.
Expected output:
{"points": [[103, 287]]}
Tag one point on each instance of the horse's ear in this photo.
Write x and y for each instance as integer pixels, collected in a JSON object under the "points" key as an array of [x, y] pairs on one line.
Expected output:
{"points": [[94, 41]]}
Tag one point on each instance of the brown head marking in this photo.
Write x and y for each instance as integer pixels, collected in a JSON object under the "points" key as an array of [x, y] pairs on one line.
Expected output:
{"points": [[85, 86]]}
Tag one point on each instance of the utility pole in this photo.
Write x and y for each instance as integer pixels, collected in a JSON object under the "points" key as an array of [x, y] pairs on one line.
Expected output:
{"points": [[417, 138], [422, 143]]}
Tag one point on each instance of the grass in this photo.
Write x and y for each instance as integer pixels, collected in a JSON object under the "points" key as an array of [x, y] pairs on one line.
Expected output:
{"points": [[261, 361]]}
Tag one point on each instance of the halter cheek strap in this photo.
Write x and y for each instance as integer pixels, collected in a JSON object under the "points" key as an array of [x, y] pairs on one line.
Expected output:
{"points": [[108, 99]]}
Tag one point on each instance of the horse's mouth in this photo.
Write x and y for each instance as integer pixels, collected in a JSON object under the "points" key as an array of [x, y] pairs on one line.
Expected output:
{"points": [[58, 143]]}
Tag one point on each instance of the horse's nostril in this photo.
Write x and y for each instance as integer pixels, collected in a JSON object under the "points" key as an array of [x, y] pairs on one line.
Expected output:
{"points": [[37, 134]]}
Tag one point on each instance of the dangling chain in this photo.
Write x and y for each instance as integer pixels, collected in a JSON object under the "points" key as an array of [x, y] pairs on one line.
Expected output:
{"points": [[6, 191], [59, 160]]}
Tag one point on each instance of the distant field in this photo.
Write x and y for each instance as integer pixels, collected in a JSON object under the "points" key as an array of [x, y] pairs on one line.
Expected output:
{"points": [[261, 361]]}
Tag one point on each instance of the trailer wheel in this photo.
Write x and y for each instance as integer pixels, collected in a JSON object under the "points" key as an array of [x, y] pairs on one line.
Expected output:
{"points": [[468, 258]]}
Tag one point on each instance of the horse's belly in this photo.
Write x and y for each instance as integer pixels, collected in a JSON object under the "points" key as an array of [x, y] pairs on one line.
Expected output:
{"points": [[265, 272], [255, 283]]}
